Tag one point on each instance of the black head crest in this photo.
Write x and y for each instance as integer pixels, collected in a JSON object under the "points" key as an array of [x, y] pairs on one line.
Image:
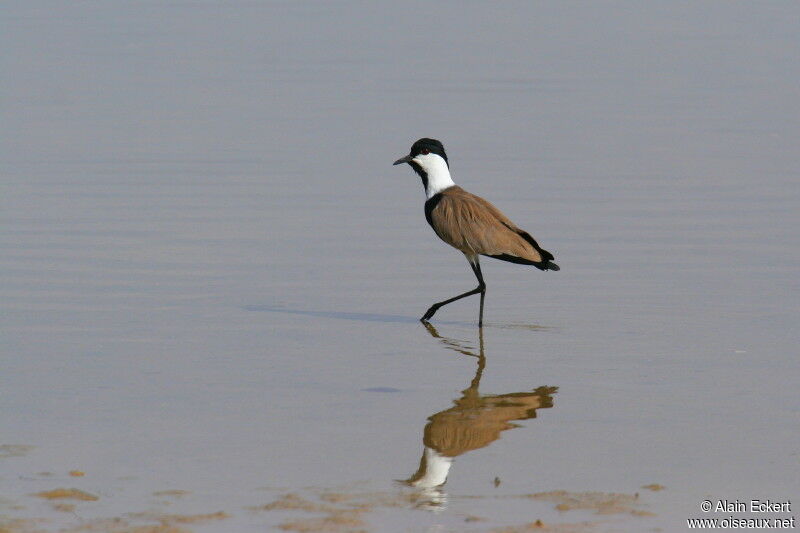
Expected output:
{"points": [[431, 145]]}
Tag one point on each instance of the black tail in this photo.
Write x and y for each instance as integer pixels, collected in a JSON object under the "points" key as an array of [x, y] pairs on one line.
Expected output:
{"points": [[541, 265], [547, 258]]}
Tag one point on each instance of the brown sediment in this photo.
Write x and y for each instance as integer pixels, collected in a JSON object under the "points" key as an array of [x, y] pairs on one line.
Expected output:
{"points": [[77, 473], [339, 521], [655, 487], [538, 525], [337, 497], [369, 501], [67, 494], [119, 525], [334, 502], [343, 511], [175, 493], [20, 525], [167, 523], [346, 511], [333, 511], [14, 450], [293, 502], [171, 519], [599, 502], [194, 518], [64, 507], [336, 519]]}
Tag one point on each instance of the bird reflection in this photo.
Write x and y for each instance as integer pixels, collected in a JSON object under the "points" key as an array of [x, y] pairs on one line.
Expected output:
{"points": [[475, 421]]}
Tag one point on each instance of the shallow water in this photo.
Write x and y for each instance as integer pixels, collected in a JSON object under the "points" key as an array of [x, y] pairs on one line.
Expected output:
{"points": [[212, 273]]}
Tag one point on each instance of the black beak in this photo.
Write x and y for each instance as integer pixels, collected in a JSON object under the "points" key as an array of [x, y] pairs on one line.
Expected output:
{"points": [[402, 160]]}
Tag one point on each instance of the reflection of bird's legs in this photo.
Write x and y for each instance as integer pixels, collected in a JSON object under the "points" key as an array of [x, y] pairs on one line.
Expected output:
{"points": [[432, 330], [457, 346], [481, 364], [450, 343]]}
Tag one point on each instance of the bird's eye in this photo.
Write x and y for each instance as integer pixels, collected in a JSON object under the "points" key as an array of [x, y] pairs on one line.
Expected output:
{"points": [[424, 151]]}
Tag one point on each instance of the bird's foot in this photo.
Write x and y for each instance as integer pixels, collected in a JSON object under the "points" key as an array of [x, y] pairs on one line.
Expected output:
{"points": [[429, 313]]}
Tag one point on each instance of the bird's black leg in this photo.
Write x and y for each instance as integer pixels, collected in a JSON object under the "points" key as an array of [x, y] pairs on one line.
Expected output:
{"points": [[435, 307], [481, 288], [481, 285]]}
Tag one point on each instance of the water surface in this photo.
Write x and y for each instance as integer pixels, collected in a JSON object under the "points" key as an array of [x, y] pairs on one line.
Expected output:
{"points": [[212, 273]]}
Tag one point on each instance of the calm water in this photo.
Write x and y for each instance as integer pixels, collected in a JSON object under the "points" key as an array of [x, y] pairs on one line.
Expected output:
{"points": [[212, 273]]}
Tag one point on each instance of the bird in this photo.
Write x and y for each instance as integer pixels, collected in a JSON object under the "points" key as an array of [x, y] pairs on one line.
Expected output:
{"points": [[474, 421], [469, 223]]}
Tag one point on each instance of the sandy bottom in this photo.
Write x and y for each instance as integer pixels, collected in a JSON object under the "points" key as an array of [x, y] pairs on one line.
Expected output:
{"points": [[316, 510], [348, 512]]}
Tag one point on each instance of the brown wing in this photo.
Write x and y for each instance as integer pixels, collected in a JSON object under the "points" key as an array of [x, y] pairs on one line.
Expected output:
{"points": [[475, 226]]}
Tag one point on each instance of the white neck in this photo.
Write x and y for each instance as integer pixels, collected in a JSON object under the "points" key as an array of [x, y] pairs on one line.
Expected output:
{"points": [[438, 173], [436, 469]]}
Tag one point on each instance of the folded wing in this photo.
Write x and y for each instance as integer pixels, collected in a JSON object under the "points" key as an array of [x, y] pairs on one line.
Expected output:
{"points": [[475, 226]]}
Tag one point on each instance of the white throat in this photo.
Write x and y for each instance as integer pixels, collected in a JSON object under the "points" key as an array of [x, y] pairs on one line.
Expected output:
{"points": [[438, 173], [436, 469]]}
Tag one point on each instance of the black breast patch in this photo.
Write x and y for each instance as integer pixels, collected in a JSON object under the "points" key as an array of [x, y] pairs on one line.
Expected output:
{"points": [[430, 205]]}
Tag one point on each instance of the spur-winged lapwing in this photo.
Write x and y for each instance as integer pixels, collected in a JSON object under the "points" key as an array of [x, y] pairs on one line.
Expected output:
{"points": [[474, 421], [468, 222]]}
